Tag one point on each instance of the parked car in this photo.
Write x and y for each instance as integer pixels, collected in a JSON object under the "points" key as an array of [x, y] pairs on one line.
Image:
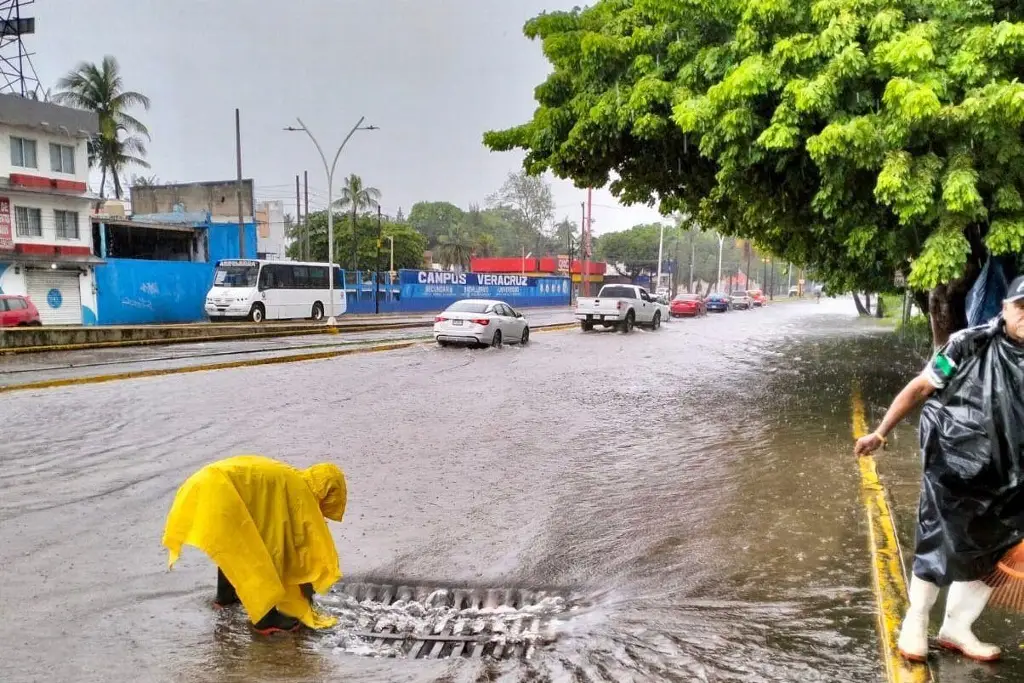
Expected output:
{"points": [[18, 311], [794, 291], [741, 300], [688, 305], [718, 302], [621, 306], [757, 297], [480, 322]]}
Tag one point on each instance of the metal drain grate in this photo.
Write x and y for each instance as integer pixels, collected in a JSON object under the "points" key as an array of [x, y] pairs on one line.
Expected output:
{"points": [[433, 621]]}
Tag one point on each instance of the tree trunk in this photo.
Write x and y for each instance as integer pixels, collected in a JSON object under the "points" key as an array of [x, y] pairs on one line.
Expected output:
{"points": [[103, 183], [860, 307], [947, 309], [921, 300], [879, 312], [117, 183], [355, 243]]}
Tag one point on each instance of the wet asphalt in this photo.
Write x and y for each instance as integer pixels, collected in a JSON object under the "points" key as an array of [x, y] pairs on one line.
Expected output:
{"points": [[695, 485]]}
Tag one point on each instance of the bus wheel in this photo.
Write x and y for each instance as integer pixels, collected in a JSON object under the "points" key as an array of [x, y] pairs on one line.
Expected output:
{"points": [[318, 311], [257, 314]]}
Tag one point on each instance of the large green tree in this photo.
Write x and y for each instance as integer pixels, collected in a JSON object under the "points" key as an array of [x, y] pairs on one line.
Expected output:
{"points": [[409, 244], [856, 137], [121, 140]]}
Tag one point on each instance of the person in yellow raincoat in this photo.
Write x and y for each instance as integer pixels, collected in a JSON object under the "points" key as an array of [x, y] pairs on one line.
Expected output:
{"points": [[262, 522]]}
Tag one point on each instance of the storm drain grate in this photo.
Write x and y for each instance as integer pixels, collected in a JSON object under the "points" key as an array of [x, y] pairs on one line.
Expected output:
{"points": [[435, 622]]}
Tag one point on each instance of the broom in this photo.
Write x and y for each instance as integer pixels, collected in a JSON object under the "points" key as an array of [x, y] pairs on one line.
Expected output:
{"points": [[1007, 580]]}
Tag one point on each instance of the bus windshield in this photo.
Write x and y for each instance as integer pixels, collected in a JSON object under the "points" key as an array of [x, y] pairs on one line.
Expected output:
{"points": [[235, 276]]}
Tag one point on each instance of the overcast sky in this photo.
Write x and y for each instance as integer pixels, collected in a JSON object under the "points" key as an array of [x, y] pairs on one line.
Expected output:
{"points": [[434, 75]]}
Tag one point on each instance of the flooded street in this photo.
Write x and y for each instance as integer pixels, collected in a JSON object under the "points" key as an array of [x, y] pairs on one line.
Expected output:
{"points": [[693, 488]]}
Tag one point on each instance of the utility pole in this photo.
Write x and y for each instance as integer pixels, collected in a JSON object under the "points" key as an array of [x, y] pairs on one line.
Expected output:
{"points": [[764, 274], [298, 219], [376, 284], [305, 225], [583, 231], [721, 242], [771, 292], [746, 275], [238, 157], [661, 244], [789, 270], [588, 226], [693, 257]]}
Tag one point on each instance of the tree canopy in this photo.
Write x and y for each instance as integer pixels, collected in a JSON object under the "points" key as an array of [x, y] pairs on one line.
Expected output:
{"points": [[409, 244], [857, 137]]}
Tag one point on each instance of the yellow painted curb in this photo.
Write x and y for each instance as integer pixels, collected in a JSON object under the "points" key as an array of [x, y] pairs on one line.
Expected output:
{"points": [[295, 358], [889, 579]]}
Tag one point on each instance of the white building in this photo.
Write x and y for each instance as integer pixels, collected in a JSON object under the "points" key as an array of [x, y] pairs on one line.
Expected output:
{"points": [[45, 231], [271, 240]]}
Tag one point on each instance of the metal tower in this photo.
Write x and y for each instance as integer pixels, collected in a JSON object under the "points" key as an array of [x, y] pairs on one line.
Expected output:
{"points": [[17, 74]]}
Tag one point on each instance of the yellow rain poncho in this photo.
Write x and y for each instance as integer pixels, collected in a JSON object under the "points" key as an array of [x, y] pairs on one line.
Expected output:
{"points": [[262, 523]]}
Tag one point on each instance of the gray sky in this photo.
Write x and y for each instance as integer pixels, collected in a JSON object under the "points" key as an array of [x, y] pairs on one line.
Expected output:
{"points": [[434, 75]]}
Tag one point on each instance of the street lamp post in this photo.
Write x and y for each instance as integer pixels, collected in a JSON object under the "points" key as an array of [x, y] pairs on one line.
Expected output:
{"points": [[329, 169]]}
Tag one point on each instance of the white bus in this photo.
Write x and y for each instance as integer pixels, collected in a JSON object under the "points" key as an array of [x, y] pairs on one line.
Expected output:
{"points": [[273, 290]]}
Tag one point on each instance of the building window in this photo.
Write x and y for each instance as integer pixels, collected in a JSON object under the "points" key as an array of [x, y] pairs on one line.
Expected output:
{"points": [[23, 152], [67, 224], [62, 158], [28, 222]]}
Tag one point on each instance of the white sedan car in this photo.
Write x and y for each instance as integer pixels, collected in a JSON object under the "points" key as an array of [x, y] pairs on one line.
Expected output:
{"points": [[480, 322]]}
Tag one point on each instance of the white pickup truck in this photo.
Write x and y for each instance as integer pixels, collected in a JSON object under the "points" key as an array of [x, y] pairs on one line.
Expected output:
{"points": [[620, 306]]}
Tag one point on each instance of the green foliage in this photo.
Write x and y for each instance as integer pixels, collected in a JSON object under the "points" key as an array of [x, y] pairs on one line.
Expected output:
{"points": [[409, 244], [853, 137], [121, 141]]}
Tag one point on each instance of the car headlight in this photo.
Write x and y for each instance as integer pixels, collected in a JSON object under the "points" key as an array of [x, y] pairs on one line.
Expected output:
{"points": [[209, 300], [239, 299]]}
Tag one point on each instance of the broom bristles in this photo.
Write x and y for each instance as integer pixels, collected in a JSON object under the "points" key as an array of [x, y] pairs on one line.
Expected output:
{"points": [[1007, 580]]}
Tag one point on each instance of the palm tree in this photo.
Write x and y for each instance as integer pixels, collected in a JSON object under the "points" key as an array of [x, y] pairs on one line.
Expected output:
{"points": [[358, 198], [455, 247], [120, 142]]}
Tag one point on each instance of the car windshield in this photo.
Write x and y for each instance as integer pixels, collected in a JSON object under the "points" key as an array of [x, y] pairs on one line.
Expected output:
{"points": [[467, 307], [740, 295], [235, 276]]}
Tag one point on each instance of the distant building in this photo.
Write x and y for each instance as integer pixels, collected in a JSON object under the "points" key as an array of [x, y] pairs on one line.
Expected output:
{"points": [[45, 240], [271, 234], [543, 266], [159, 262]]}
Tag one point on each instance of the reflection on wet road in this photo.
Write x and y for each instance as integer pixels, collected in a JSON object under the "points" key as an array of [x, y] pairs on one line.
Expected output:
{"points": [[695, 485]]}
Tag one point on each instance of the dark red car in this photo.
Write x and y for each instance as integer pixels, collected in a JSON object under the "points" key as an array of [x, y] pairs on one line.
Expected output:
{"points": [[688, 306], [17, 311]]}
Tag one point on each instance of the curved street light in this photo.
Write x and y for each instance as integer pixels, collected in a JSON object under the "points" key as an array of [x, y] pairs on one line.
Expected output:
{"points": [[329, 169]]}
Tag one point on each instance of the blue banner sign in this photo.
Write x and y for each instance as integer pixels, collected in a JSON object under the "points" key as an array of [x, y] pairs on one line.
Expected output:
{"points": [[438, 284]]}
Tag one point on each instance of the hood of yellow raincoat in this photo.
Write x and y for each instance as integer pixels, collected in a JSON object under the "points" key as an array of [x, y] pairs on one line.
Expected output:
{"points": [[262, 523], [327, 482]]}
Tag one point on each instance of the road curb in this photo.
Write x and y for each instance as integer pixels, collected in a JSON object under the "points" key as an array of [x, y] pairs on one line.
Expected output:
{"points": [[284, 332], [888, 576], [205, 367]]}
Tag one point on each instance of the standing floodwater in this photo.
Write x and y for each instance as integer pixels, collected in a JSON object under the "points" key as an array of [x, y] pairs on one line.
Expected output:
{"points": [[693, 487]]}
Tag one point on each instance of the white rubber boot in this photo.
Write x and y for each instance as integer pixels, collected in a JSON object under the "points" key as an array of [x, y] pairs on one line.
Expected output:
{"points": [[964, 604], [913, 642]]}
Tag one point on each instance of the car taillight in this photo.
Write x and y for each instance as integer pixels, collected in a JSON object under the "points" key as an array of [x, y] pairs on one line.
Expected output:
{"points": [[481, 321], [440, 319], [618, 305]]}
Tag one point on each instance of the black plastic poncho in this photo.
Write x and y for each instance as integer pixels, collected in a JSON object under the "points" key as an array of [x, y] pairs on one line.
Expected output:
{"points": [[972, 442]]}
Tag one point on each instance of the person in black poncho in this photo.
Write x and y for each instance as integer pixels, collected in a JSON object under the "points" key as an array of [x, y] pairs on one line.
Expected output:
{"points": [[972, 494]]}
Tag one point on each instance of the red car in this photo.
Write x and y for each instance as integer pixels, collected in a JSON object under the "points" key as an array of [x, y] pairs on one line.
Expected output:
{"points": [[687, 305], [17, 311], [758, 297]]}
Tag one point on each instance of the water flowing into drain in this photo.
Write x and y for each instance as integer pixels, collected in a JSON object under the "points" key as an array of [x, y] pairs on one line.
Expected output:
{"points": [[436, 621]]}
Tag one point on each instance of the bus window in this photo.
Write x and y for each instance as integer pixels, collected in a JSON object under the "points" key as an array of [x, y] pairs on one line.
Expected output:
{"points": [[235, 276]]}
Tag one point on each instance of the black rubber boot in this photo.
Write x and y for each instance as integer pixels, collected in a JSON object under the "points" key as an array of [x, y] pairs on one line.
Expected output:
{"points": [[274, 622], [226, 595]]}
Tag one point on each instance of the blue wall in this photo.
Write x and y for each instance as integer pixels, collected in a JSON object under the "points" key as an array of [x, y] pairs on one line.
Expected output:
{"points": [[135, 291], [223, 240]]}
